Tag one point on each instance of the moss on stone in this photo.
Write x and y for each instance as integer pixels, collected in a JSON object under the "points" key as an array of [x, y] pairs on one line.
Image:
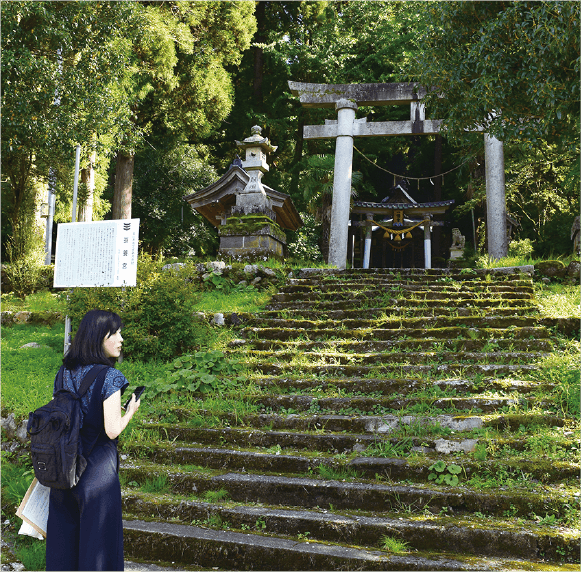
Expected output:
{"points": [[250, 225]]}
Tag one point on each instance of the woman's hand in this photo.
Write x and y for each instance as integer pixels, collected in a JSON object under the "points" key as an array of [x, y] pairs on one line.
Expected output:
{"points": [[133, 405], [114, 422]]}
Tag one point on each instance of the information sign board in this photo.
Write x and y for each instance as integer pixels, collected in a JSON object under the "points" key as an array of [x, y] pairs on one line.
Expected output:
{"points": [[100, 253]]}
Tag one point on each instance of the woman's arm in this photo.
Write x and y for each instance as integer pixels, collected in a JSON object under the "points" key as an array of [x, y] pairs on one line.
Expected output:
{"points": [[114, 422]]}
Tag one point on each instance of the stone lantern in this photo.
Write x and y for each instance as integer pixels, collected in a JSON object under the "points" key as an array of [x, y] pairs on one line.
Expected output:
{"points": [[250, 216], [254, 197]]}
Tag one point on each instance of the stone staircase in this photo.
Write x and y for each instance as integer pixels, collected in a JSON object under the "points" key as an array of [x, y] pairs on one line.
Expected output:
{"points": [[390, 405]]}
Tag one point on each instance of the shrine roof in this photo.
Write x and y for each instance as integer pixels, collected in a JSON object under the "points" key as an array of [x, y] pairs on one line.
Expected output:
{"points": [[402, 206], [216, 199]]}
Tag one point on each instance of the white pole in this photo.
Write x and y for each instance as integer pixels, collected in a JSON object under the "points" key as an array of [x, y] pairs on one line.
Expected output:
{"points": [[52, 181], [68, 328], [427, 246], [76, 182], [368, 236]]}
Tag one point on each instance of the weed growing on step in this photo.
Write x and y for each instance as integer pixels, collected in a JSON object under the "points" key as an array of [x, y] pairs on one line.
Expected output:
{"points": [[389, 448], [216, 496], [157, 484], [336, 474], [394, 545], [443, 473]]}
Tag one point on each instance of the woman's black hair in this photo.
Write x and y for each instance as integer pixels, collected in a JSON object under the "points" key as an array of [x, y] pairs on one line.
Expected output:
{"points": [[87, 345]]}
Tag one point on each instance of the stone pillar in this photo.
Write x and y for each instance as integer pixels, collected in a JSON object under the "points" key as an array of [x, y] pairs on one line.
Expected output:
{"points": [[342, 183], [495, 197], [368, 236], [427, 245]]}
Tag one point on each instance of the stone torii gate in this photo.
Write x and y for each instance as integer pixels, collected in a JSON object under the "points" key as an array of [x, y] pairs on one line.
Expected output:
{"points": [[345, 98]]}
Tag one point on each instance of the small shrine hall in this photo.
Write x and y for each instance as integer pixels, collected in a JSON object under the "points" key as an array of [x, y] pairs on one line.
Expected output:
{"points": [[394, 233]]}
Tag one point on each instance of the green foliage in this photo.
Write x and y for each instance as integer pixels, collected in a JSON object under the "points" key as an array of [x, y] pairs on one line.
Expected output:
{"points": [[303, 244], [32, 553], [440, 472], [62, 50], [385, 448], [480, 452], [25, 250], [15, 481], [520, 248], [394, 545], [156, 314], [168, 224], [336, 474], [204, 371], [216, 496], [38, 302], [28, 373], [498, 58], [157, 484]]}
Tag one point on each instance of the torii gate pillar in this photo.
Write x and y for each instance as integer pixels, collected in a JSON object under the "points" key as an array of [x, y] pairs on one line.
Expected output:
{"points": [[342, 183], [495, 197]]}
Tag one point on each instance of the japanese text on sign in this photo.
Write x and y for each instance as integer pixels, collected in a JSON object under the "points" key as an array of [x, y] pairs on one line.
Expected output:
{"points": [[96, 254]]}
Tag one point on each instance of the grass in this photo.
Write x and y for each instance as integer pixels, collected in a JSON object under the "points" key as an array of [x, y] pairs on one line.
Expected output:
{"points": [[394, 545], [38, 302], [559, 300], [244, 300], [28, 373]]}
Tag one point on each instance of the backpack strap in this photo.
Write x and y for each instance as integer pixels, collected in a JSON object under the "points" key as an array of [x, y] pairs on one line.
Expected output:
{"points": [[86, 382], [90, 378], [59, 382]]}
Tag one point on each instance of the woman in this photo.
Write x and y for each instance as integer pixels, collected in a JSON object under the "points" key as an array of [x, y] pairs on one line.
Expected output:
{"points": [[85, 528]]}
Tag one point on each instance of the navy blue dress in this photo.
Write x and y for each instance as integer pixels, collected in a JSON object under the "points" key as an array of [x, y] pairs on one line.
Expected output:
{"points": [[85, 526]]}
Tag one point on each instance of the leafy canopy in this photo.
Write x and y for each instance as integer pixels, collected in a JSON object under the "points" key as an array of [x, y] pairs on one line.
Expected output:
{"points": [[509, 67]]}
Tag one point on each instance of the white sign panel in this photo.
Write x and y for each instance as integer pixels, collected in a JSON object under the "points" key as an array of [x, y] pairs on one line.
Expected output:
{"points": [[96, 253]]}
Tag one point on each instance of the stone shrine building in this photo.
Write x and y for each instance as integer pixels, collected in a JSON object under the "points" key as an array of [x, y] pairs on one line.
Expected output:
{"points": [[250, 216]]}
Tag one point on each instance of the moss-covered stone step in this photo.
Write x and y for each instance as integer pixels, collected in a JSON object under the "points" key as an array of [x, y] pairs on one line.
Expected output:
{"points": [[482, 536], [373, 405], [342, 310], [406, 286], [450, 332], [333, 357], [435, 370], [443, 273], [340, 326], [338, 433], [310, 492], [395, 386], [423, 344], [369, 467], [383, 424], [372, 296], [242, 551]]}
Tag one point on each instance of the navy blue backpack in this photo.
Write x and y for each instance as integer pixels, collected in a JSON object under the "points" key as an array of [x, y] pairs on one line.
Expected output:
{"points": [[57, 451]]}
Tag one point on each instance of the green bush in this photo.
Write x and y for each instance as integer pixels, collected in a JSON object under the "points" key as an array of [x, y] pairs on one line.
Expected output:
{"points": [[520, 248], [156, 314], [303, 244]]}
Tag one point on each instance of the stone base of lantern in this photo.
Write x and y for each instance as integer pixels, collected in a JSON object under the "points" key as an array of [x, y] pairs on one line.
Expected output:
{"points": [[251, 238]]}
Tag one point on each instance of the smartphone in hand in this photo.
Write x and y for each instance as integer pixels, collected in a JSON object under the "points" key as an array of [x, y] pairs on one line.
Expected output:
{"points": [[138, 391]]}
